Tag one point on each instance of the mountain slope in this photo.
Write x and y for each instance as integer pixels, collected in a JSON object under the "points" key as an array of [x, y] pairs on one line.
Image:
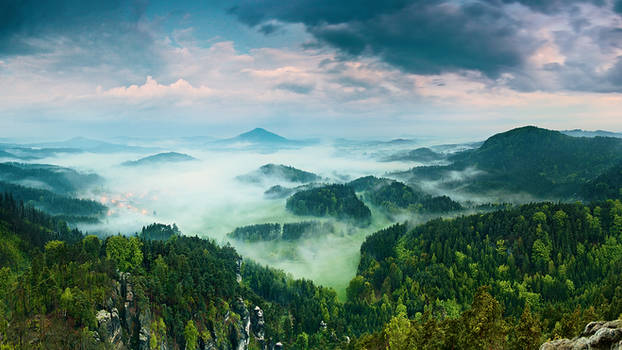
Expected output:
{"points": [[607, 185], [528, 159], [552, 257]]}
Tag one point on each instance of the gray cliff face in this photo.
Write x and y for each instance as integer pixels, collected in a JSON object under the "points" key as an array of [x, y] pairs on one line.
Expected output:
{"points": [[599, 335], [258, 326], [129, 328], [242, 329], [109, 327], [124, 325]]}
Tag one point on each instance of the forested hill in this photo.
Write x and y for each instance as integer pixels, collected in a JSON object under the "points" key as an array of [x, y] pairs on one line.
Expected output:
{"points": [[560, 263], [391, 196], [537, 161], [160, 158], [550, 154], [279, 172], [335, 200], [61, 290]]}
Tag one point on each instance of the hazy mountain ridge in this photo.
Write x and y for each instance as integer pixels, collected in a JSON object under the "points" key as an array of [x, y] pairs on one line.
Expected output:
{"points": [[588, 133]]}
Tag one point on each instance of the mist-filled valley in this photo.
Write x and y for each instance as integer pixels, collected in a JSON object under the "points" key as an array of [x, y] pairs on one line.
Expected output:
{"points": [[333, 241], [210, 188]]}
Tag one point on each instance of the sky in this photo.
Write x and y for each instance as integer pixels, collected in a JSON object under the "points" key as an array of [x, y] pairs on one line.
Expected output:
{"points": [[303, 68]]}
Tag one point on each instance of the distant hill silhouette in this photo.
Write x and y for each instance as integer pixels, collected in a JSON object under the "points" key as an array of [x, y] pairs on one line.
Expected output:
{"points": [[160, 158]]}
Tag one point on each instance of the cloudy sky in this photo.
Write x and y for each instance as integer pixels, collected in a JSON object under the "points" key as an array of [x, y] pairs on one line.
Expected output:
{"points": [[354, 68]]}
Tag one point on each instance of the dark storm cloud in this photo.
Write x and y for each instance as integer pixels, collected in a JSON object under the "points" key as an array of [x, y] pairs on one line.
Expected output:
{"points": [[417, 36], [23, 21], [425, 37], [80, 34], [269, 28], [549, 6]]}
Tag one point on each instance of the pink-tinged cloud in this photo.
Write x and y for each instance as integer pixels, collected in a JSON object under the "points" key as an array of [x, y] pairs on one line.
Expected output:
{"points": [[151, 89]]}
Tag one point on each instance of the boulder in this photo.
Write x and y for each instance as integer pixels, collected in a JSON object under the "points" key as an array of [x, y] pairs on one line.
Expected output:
{"points": [[599, 335], [258, 323]]}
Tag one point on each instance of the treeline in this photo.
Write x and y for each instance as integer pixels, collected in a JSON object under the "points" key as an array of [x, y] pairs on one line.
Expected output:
{"points": [[338, 201], [160, 232], [274, 231], [561, 261]]}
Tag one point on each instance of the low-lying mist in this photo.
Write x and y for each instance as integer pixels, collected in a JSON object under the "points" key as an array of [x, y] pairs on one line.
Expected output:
{"points": [[204, 198]]}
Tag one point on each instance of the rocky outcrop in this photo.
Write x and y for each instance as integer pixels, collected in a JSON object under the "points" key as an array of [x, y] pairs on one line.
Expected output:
{"points": [[258, 326], [130, 328], [258, 323], [600, 335], [243, 328], [109, 327], [144, 332], [238, 271]]}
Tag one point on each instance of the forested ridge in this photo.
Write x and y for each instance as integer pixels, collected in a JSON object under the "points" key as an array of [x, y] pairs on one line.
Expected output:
{"points": [[337, 200], [391, 196], [559, 265], [60, 289]]}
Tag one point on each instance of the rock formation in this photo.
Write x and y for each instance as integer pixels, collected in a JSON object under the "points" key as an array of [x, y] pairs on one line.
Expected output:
{"points": [[599, 335]]}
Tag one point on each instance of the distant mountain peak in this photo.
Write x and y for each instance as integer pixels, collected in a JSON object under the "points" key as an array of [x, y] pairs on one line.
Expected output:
{"points": [[261, 134]]}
